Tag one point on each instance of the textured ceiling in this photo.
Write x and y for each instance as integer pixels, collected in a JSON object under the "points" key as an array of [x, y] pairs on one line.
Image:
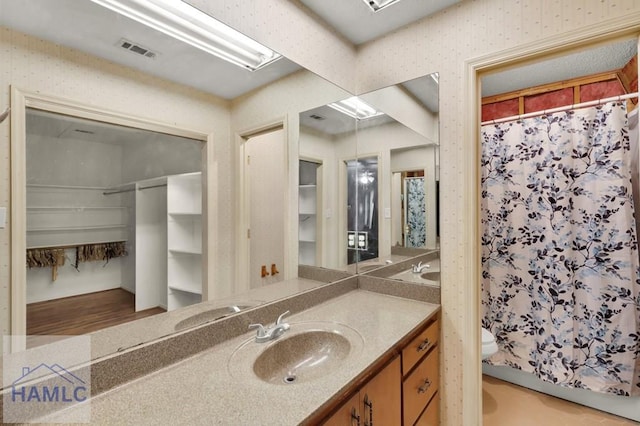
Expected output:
{"points": [[586, 62]]}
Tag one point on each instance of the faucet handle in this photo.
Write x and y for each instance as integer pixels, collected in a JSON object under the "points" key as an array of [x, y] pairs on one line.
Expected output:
{"points": [[261, 330], [279, 320]]}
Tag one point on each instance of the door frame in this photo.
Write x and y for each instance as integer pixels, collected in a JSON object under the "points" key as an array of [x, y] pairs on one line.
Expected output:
{"points": [[474, 68], [23, 99]]}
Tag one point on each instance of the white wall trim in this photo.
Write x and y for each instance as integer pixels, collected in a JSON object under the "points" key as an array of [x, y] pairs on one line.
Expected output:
{"points": [[22, 99], [604, 32]]}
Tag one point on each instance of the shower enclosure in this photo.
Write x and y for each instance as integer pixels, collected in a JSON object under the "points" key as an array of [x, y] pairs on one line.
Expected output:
{"points": [[560, 258]]}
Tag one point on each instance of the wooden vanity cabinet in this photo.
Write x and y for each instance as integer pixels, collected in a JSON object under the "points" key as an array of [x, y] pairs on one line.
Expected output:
{"points": [[378, 402], [420, 378], [404, 392]]}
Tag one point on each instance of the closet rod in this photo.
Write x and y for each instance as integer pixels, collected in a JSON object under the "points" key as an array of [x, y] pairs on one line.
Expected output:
{"points": [[562, 108], [152, 186], [118, 191], [132, 189]]}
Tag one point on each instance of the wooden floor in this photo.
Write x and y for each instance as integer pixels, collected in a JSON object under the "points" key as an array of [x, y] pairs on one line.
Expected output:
{"points": [[83, 314], [506, 404]]}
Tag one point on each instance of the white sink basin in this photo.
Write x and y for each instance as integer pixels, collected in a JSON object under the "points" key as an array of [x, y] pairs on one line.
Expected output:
{"points": [[307, 352]]}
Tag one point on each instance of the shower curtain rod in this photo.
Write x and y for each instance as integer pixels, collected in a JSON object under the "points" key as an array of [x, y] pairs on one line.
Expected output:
{"points": [[562, 108]]}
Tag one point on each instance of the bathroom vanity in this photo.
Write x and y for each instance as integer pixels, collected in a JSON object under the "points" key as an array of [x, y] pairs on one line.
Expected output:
{"points": [[389, 367], [401, 391]]}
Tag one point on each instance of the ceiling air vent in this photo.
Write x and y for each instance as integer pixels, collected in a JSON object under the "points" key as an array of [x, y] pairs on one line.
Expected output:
{"points": [[317, 117], [137, 48]]}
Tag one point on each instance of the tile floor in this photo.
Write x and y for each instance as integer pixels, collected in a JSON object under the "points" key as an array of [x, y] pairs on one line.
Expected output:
{"points": [[505, 404]]}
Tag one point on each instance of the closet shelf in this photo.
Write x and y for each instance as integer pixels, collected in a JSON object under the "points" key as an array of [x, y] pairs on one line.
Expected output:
{"points": [[76, 228], [186, 288], [303, 241], [193, 252], [188, 214], [75, 208], [92, 188]]}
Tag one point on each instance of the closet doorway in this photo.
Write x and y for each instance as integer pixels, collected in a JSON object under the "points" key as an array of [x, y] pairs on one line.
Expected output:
{"points": [[112, 226], [264, 177]]}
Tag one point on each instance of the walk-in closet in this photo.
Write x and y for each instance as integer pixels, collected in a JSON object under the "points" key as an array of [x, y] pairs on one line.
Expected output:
{"points": [[114, 228]]}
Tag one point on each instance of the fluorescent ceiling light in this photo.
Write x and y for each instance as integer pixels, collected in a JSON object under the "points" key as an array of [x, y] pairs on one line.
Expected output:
{"points": [[376, 5], [189, 25], [356, 108]]}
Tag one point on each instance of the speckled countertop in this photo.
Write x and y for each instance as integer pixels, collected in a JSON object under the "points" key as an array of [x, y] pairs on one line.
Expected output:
{"points": [[202, 390]]}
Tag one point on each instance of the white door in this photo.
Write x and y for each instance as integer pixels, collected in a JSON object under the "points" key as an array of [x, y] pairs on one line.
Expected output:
{"points": [[266, 172]]}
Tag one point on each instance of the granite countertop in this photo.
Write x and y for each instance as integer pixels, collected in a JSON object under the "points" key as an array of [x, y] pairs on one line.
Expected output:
{"points": [[114, 339], [202, 390]]}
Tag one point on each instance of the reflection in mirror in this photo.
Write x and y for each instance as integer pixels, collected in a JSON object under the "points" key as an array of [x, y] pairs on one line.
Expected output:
{"points": [[389, 191], [326, 144], [113, 223], [233, 100]]}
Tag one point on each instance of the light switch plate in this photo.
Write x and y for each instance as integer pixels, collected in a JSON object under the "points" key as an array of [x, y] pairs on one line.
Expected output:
{"points": [[387, 212], [3, 217]]}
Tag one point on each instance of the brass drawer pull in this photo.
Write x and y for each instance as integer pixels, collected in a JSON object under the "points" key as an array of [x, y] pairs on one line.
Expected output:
{"points": [[355, 416], [425, 386], [424, 345], [368, 404]]}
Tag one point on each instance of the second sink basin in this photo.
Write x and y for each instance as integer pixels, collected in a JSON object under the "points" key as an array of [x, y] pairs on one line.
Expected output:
{"points": [[308, 351]]}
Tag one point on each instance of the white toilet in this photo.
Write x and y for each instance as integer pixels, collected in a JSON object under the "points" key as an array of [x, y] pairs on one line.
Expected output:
{"points": [[489, 345]]}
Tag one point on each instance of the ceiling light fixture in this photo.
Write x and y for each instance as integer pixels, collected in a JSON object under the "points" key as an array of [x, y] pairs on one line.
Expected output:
{"points": [[377, 5], [435, 77], [190, 25], [356, 108]]}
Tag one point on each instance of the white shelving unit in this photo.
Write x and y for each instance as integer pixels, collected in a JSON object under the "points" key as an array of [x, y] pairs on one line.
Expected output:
{"points": [[184, 240], [308, 207]]}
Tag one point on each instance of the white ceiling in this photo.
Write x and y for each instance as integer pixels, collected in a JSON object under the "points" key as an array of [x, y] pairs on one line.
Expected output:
{"points": [[86, 26], [579, 64], [359, 24], [52, 125]]}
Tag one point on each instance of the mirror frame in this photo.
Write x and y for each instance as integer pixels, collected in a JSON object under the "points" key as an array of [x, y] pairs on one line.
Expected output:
{"points": [[23, 99]]}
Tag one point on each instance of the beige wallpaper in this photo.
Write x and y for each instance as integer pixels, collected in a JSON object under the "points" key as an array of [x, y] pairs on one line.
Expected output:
{"points": [[35, 65]]}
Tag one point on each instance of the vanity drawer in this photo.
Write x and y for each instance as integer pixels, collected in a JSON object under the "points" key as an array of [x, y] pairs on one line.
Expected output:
{"points": [[419, 346], [419, 387], [431, 416]]}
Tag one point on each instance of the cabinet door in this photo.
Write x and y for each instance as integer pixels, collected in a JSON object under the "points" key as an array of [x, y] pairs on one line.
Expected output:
{"points": [[381, 397], [347, 415]]}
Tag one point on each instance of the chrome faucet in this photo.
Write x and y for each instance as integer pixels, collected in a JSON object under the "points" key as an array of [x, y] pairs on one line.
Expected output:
{"points": [[416, 269], [267, 334]]}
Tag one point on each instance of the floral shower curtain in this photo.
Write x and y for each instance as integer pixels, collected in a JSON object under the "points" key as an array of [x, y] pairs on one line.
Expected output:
{"points": [[560, 279], [415, 212]]}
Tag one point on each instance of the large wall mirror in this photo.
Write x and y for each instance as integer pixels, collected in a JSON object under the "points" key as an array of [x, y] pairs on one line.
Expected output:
{"points": [[369, 177], [336, 184]]}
